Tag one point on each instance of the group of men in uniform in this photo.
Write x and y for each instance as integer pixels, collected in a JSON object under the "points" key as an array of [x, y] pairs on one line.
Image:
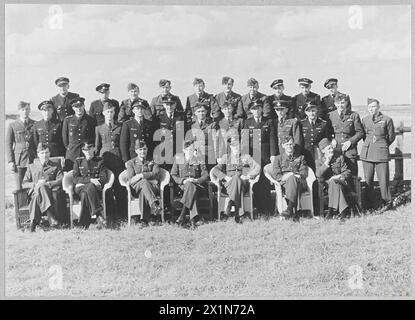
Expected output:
{"points": [[292, 133]]}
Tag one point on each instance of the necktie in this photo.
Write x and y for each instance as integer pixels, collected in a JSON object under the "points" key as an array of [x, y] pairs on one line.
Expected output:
{"points": [[341, 115], [201, 123]]}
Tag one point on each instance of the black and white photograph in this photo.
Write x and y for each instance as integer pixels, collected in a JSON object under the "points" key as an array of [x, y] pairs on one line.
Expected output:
{"points": [[207, 151]]}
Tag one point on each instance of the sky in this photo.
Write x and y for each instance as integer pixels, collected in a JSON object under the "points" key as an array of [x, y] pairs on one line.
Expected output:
{"points": [[367, 48]]}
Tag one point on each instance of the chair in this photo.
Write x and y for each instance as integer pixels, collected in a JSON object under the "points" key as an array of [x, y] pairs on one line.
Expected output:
{"points": [[223, 199], [133, 203], [21, 200], [305, 199], [74, 204]]}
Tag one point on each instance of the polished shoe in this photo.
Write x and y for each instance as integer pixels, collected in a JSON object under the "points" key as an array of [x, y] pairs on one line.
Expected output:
{"points": [[228, 209]]}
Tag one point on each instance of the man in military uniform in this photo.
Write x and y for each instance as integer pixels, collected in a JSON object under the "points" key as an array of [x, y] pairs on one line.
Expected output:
{"points": [[243, 111], [314, 129], [200, 96], [89, 178], [348, 131], [107, 146], [156, 104], [95, 110], [144, 181], [284, 126], [126, 112], [191, 176], [332, 170], [278, 86], [49, 130], [227, 95], [306, 96], [228, 126], [137, 128], [61, 101], [379, 135], [328, 102], [41, 177], [235, 170], [20, 145], [258, 125], [76, 128], [290, 170]]}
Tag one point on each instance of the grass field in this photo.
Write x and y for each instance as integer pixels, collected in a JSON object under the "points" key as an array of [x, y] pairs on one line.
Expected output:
{"points": [[260, 258]]}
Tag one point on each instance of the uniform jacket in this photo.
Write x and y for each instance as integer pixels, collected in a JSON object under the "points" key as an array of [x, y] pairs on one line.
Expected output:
{"points": [[284, 163], [149, 169], [95, 110], [50, 172], [132, 131], [108, 139], [84, 170], [336, 166], [327, 103], [126, 113], [219, 100], [191, 168], [50, 133], [245, 165], [157, 108], [62, 107], [191, 101], [269, 111], [299, 102], [243, 105], [75, 131], [265, 125], [350, 128], [21, 149], [379, 135], [314, 133], [288, 127]]}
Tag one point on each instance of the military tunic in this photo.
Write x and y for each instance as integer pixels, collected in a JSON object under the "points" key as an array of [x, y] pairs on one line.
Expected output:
{"points": [[299, 103], [191, 102], [336, 188], [327, 102], [75, 131], [286, 127], [49, 132], [226, 128], [269, 111], [41, 195], [131, 131], [20, 147], [190, 168], [209, 130], [126, 112], [347, 129], [148, 188], [379, 135], [83, 171], [219, 101], [61, 105], [243, 110], [96, 108], [157, 107]]}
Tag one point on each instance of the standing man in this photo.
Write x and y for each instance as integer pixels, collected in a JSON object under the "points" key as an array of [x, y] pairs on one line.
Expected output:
{"points": [[156, 104], [379, 135], [306, 95], [19, 142], [278, 86], [49, 130], [228, 126], [61, 101], [348, 131], [95, 110], [227, 95], [41, 177], [126, 112], [314, 129], [89, 177], [200, 96], [107, 146], [260, 126], [328, 102], [243, 111], [137, 128], [284, 126], [77, 128]]}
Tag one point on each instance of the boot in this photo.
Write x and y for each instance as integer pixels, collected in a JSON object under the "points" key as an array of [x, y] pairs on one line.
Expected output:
{"points": [[237, 217], [228, 208], [156, 208], [180, 219], [33, 226]]}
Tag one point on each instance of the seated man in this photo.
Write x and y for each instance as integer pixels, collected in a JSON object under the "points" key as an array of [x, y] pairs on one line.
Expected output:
{"points": [[331, 168], [190, 174], [89, 177], [41, 176], [290, 170], [230, 170], [144, 175]]}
